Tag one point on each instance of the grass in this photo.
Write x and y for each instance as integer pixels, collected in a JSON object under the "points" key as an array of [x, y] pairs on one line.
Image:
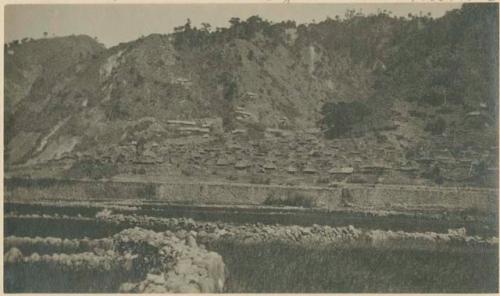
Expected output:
{"points": [[92, 169], [279, 268], [47, 278]]}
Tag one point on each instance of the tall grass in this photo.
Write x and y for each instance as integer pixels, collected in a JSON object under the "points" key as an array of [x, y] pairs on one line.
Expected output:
{"points": [[279, 267]]}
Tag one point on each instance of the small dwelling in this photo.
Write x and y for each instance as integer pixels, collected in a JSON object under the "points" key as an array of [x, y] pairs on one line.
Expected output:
{"points": [[341, 171], [222, 162], [291, 169], [242, 165], [270, 166], [310, 170]]}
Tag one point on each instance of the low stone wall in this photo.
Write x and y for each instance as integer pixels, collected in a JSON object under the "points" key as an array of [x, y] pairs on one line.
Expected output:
{"points": [[381, 197], [167, 262]]}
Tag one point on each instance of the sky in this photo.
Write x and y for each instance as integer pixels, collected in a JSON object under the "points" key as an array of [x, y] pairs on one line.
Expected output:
{"points": [[113, 24]]}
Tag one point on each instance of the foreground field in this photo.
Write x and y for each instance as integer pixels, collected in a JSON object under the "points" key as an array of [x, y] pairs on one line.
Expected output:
{"points": [[266, 250]]}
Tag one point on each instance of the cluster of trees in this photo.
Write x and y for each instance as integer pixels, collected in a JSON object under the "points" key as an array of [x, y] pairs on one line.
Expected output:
{"points": [[188, 36], [340, 118], [17, 42], [450, 60]]}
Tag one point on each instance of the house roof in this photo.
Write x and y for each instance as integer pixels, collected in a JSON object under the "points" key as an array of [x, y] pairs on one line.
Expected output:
{"points": [[242, 164], [341, 170], [222, 162], [309, 169], [270, 166]]}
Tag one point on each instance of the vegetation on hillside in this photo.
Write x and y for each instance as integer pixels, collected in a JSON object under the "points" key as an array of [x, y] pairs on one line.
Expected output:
{"points": [[339, 118], [449, 60], [343, 73]]}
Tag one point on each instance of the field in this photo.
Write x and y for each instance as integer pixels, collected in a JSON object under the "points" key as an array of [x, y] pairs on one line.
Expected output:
{"points": [[267, 249]]}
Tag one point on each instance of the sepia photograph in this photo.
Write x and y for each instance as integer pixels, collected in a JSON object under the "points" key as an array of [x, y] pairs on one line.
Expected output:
{"points": [[264, 147]]}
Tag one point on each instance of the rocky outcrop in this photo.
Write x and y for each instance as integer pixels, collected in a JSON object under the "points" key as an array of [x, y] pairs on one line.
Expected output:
{"points": [[176, 265]]}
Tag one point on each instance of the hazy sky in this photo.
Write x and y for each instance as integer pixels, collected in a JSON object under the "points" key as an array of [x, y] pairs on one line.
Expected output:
{"points": [[113, 24]]}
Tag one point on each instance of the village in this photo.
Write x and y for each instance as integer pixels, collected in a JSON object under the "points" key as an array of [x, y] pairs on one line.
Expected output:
{"points": [[200, 150]]}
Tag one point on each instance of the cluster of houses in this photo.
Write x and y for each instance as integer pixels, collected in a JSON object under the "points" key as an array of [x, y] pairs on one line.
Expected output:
{"points": [[284, 153], [279, 153]]}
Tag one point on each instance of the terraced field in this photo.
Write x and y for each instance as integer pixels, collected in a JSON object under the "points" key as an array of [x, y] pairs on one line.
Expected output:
{"points": [[52, 245]]}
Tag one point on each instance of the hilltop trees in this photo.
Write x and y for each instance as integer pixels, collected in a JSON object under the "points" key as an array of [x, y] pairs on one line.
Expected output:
{"points": [[452, 59], [190, 37]]}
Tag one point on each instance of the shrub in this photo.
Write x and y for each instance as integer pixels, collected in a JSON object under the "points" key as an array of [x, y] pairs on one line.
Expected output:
{"points": [[434, 174], [139, 171], [255, 130], [188, 171], [322, 180], [339, 118], [232, 177], [93, 169], [257, 179], [357, 179], [436, 127], [295, 200], [147, 192], [250, 55]]}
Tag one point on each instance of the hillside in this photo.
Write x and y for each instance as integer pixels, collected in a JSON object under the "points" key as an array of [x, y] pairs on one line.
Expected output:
{"points": [[417, 78], [29, 60], [29, 63]]}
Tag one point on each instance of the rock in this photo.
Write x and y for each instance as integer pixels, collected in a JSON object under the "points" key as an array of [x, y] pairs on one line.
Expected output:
{"points": [[184, 266], [305, 231], [35, 257], [207, 285], [181, 234], [158, 279], [191, 241], [457, 232], [190, 288], [46, 258], [127, 288], [13, 256], [99, 251], [156, 289]]}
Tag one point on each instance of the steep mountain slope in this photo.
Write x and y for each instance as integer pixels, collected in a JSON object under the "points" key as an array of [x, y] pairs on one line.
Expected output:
{"points": [[32, 63], [29, 60], [276, 75]]}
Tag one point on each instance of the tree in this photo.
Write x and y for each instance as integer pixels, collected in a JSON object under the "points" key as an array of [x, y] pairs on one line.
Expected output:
{"points": [[339, 118], [206, 27], [436, 127], [187, 26], [234, 21], [45, 34]]}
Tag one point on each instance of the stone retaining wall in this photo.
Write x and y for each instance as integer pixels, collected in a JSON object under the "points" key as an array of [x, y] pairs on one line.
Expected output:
{"points": [[381, 197]]}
